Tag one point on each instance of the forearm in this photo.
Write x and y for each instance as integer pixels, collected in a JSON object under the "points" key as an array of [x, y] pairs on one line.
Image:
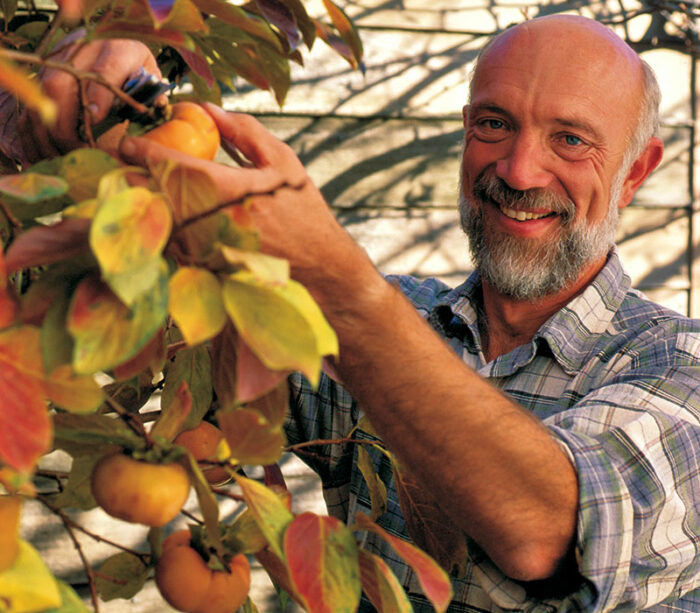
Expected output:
{"points": [[494, 468]]}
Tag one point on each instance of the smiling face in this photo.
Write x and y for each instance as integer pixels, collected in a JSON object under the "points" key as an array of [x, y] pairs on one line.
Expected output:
{"points": [[554, 102]]}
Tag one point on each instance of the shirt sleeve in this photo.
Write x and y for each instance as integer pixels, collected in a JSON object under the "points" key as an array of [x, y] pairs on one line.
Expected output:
{"points": [[635, 443]]}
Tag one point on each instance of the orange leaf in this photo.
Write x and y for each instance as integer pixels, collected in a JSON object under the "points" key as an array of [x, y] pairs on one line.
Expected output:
{"points": [[322, 563], [27, 90], [25, 428], [434, 581], [381, 585], [250, 437], [254, 379]]}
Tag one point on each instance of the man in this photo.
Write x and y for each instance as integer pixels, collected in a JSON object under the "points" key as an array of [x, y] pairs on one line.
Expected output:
{"points": [[555, 416]]}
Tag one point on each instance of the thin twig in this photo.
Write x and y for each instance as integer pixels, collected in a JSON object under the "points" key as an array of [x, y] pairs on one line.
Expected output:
{"points": [[330, 441], [144, 557], [80, 75], [68, 525], [188, 221], [133, 422]]}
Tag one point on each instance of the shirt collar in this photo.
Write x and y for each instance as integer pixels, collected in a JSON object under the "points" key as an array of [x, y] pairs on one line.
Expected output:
{"points": [[569, 334]]}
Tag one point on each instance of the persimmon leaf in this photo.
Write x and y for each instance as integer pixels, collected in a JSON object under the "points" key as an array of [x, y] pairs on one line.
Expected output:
{"points": [[253, 378], [193, 366], [28, 584], [434, 581], [268, 511], [250, 437], [195, 304], [122, 575], [377, 488], [16, 81], [282, 327], [106, 332], [32, 187], [224, 365], [42, 245], [322, 560], [265, 268], [93, 430], [381, 585], [127, 236], [25, 427], [172, 419], [273, 405], [347, 30], [84, 169], [75, 393], [429, 527]]}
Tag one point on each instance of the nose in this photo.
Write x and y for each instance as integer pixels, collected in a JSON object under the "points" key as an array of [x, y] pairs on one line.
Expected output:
{"points": [[523, 165]]}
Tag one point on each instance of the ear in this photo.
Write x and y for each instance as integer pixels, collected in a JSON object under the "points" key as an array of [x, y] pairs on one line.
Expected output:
{"points": [[641, 168]]}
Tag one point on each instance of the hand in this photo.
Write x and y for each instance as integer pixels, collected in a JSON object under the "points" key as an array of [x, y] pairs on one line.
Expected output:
{"points": [[115, 60], [293, 218]]}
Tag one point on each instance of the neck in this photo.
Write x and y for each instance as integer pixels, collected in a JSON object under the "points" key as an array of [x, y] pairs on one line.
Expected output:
{"points": [[508, 323]]}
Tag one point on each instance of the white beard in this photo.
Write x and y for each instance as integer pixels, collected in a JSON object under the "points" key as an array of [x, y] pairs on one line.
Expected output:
{"points": [[526, 269]]}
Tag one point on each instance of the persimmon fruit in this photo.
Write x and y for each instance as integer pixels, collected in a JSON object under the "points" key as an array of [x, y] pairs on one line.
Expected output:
{"points": [[188, 584], [189, 130], [202, 442], [10, 506], [139, 492]]}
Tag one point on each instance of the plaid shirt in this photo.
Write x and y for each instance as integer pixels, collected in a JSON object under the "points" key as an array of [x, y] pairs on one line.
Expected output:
{"points": [[615, 378]]}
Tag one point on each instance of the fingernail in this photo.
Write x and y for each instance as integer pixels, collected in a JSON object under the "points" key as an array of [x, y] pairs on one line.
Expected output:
{"points": [[93, 109], [128, 146]]}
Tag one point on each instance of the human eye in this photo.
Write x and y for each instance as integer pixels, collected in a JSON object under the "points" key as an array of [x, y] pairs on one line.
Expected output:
{"points": [[571, 146], [490, 129]]}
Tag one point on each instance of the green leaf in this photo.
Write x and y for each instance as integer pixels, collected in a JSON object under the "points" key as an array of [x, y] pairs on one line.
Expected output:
{"points": [[77, 492], [244, 535], [323, 564], [105, 331], [121, 576], [381, 585], [56, 343], [96, 430], [268, 511], [193, 366], [196, 305], [28, 586], [127, 236], [434, 581], [83, 170], [250, 437]]}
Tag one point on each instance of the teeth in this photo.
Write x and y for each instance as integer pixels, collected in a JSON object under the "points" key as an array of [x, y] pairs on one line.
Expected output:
{"points": [[522, 215]]}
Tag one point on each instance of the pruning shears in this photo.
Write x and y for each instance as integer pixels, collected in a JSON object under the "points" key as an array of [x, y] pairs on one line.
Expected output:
{"points": [[143, 87]]}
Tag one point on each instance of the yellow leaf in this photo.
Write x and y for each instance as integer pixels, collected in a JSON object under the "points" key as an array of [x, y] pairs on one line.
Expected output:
{"points": [[250, 437], [127, 236], [266, 268], [84, 169], [271, 325], [75, 393], [28, 586], [195, 304], [23, 87]]}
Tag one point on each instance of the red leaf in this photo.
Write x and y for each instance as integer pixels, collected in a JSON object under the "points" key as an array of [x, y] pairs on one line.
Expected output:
{"points": [[43, 245], [198, 63], [434, 581], [25, 427], [253, 378], [322, 563], [381, 585]]}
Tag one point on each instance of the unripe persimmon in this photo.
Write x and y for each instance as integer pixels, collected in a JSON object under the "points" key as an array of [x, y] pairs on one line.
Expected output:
{"points": [[202, 443], [10, 507], [190, 130], [139, 492], [188, 584]]}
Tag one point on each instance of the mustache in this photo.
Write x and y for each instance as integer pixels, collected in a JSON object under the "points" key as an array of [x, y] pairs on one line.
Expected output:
{"points": [[491, 187]]}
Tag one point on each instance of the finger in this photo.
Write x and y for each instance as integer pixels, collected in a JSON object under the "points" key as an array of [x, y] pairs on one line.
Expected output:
{"points": [[231, 183], [36, 142], [254, 140]]}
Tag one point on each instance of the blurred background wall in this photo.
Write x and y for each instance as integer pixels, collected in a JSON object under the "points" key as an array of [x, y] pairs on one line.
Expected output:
{"points": [[384, 146]]}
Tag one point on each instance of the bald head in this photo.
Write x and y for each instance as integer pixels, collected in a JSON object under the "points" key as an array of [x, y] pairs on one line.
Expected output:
{"points": [[587, 52]]}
